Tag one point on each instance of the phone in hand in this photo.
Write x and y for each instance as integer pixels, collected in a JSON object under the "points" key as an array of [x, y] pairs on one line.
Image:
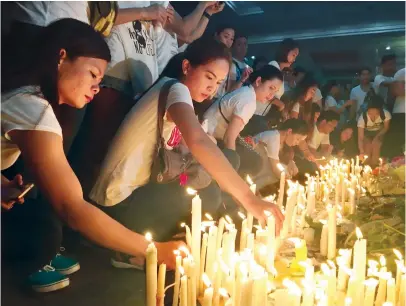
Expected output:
{"points": [[19, 193]]}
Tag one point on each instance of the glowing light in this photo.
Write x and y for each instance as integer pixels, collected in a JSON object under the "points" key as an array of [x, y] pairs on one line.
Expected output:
{"points": [[371, 282], [148, 236], [181, 270], [191, 191], [228, 219], [208, 216], [242, 216], [324, 222], [382, 261], [358, 233], [206, 280], [176, 252], [249, 180], [223, 292], [331, 264], [280, 167], [185, 250], [398, 254]]}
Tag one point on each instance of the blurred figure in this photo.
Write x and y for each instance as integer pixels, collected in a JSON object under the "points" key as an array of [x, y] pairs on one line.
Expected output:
{"points": [[240, 70], [259, 62], [359, 92], [384, 80]]}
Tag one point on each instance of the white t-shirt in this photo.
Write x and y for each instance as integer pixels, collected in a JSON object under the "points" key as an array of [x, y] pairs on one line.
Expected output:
{"points": [[167, 47], [330, 102], [235, 74], [296, 107], [358, 95], [272, 140], [399, 106], [133, 67], [281, 90], [42, 13], [127, 165], [24, 109], [240, 102], [382, 91], [318, 139], [373, 126], [317, 96], [262, 109]]}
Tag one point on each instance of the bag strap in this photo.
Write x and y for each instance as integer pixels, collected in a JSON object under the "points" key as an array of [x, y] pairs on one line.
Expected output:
{"points": [[221, 112], [162, 99]]}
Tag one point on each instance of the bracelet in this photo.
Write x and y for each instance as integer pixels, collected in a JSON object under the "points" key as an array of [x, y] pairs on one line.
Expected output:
{"points": [[207, 15]]}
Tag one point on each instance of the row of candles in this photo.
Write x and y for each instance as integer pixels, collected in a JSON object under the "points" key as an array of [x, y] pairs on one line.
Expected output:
{"points": [[217, 274]]}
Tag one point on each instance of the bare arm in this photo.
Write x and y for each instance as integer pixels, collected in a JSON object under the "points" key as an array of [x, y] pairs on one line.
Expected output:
{"points": [[214, 161], [361, 140], [196, 33], [233, 130], [44, 156], [153, 12], [274, 168]]}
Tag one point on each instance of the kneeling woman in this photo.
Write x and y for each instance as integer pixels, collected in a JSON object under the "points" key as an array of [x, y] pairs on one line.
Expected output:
{"points": [[270, 143], [126, 171]]}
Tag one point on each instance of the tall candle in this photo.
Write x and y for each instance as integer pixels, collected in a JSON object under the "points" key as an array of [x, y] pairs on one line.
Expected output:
{"points": [[151, 272], [311, 203], [332, 231], [177, 281], [188, 235], [203, 260], [208, 297], [211, 251], [220, 230], [399, 268], [391, 291], [281, 185], [382, 288], [370, 289], [351, 192], [271, 242], [196, 234], [161, 284], [308, 294], [402, 295], [192, 286], [250, 241], [243, 235], [183, 291], [360, 256], [246, 292], [324, 240], [250, 217]]}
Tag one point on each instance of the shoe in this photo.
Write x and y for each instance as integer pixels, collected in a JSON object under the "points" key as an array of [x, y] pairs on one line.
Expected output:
{"points": [[64, 265], [123, 262], [47, 280]]}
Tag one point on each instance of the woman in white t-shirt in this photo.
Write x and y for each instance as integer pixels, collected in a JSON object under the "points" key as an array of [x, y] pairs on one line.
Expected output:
{"points": [[228, 115], [331, 92], [270, 143], [372, 127], [66, 67], [126, 171]]}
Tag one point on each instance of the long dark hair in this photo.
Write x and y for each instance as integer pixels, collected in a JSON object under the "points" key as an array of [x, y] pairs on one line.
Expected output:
{"points": [[326, 90], [298, 93], [40, 68], [315, 108], [284, 48], [267, 72]]}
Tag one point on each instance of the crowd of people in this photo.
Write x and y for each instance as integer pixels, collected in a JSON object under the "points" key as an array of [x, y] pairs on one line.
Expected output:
{"points": [[169, 109]]}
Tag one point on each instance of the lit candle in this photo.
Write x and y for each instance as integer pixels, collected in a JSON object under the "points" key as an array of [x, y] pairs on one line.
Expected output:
{"points": [[391, 291], [271, 241], [343, 271], [281, 185], [357, 158], [324, 238], [243, 232], [196, 233], [220, 230], [370, 289], [192, 286], [183, 291], [290, 206], [211, 251], [161, 284], [177, 279], [250, 217], [380, 165], [399, 267], [351, 192], [402, 296], [188, 234], [332, 231], [208, 292], [352, 288], [294, 293], [250, 241], [246, 291], [382, 288], [311, 202], [203, 260], [151, 271], [360, 256], [308, 293]]}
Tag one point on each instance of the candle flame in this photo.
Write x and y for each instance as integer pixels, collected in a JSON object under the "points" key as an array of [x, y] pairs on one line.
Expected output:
{"points": [[228, 219], [242, 216], [382, 261], [273, 271], [148, 236], [176, 252], [324, 222], [331, 264], [181, 270], [358, 233], [207, 223], [191, 191], [292, 287], [350, 190], [206, 280], [208, 216], [249, 180], [183, 224], [267, 213], [224, 267], [380, 160], [223, 292], [184, 250], [398, 254], [387, 304], [262, 249], [348, 301], [296, 241], [372, 263], [280, 167], [371, 282], [325, 269]]}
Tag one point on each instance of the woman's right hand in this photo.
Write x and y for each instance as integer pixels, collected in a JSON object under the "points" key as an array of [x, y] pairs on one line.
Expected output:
{"points": [[156, 12], [9, 192], [166, 254], [245, 74]]}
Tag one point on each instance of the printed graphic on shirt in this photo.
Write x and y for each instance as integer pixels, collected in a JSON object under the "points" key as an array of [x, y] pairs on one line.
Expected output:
{"points": [[142, 37], [174, 139]]}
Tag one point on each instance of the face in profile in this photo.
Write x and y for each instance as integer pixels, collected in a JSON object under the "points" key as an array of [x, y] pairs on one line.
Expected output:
{"points": [[226, 37], [203, 80], [292, 55], [79, 79], [293, 139], [266, 90], [346, 134]]}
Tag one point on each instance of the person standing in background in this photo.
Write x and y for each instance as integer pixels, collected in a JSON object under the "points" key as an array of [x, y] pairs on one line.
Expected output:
{"points": [[240, 70], [384, 80], [359, 92]]}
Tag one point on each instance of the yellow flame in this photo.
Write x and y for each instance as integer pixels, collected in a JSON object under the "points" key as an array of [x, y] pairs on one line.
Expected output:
{"points": [[296, 241], [242, 216], [267, 213], [325, 269], [371, 282], [191, 191], [324, 222], [331, 264], [184, 250], [382, 261], [206, 280], [228, 219], [181, 270], [372, 263], [280, 167], [208, 216], [398, 254], [223, 292], [249, 180], [358, 233], [148, 236], [176, 252], [348, 301]]}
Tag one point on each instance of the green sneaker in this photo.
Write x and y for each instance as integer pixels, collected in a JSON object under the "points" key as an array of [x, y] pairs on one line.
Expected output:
{"points": [[47, 280], [64, 265]]}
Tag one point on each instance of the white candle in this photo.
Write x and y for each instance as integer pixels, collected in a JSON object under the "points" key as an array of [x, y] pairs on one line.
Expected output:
{"points": [[243, 235], [188, 235], [192, 286], [281, 185], [177, 279], [196, 234], [271, 242], [331, 283], [402, 296], [311, 203], [220, 230], [332, 231], [343, 274], [399, 268], [324, 239], [151, 271], [161, 284], [208, 297], [360, 256], [308, 294], [391, 291], [246, 292], [211, 251], [351, 192], [250, 242], [183, 291], [290, 206], [370, 288], [250, 217], [203, 260], [382, 288], [308, 235]]}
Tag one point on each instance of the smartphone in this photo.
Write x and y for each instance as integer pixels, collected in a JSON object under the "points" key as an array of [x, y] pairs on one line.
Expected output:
{"points": [[19, 193]]}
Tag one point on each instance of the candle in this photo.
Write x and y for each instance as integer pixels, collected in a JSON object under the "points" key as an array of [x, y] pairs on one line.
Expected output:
{"points": [[222, 223], [343, 273], [250, 217], [311, 203], [271, 241], [192, 286], [351, 192], [208, 297], [243, 232], [281, 185], [177, 279], [294, 293], [332, 231], [188, 235], [250, 241], [151, 271], [246, 291], [382, 287], [183, 291], [391, 291], [290, 206], [399, 267], [211, 251], [360, 256], [352, 288], [203, 260], [308, 235], [324, 239], [161, 284], [357, 158], [196, 234], [370, 288], [380, 165], [308, 294], [402, 296]]}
